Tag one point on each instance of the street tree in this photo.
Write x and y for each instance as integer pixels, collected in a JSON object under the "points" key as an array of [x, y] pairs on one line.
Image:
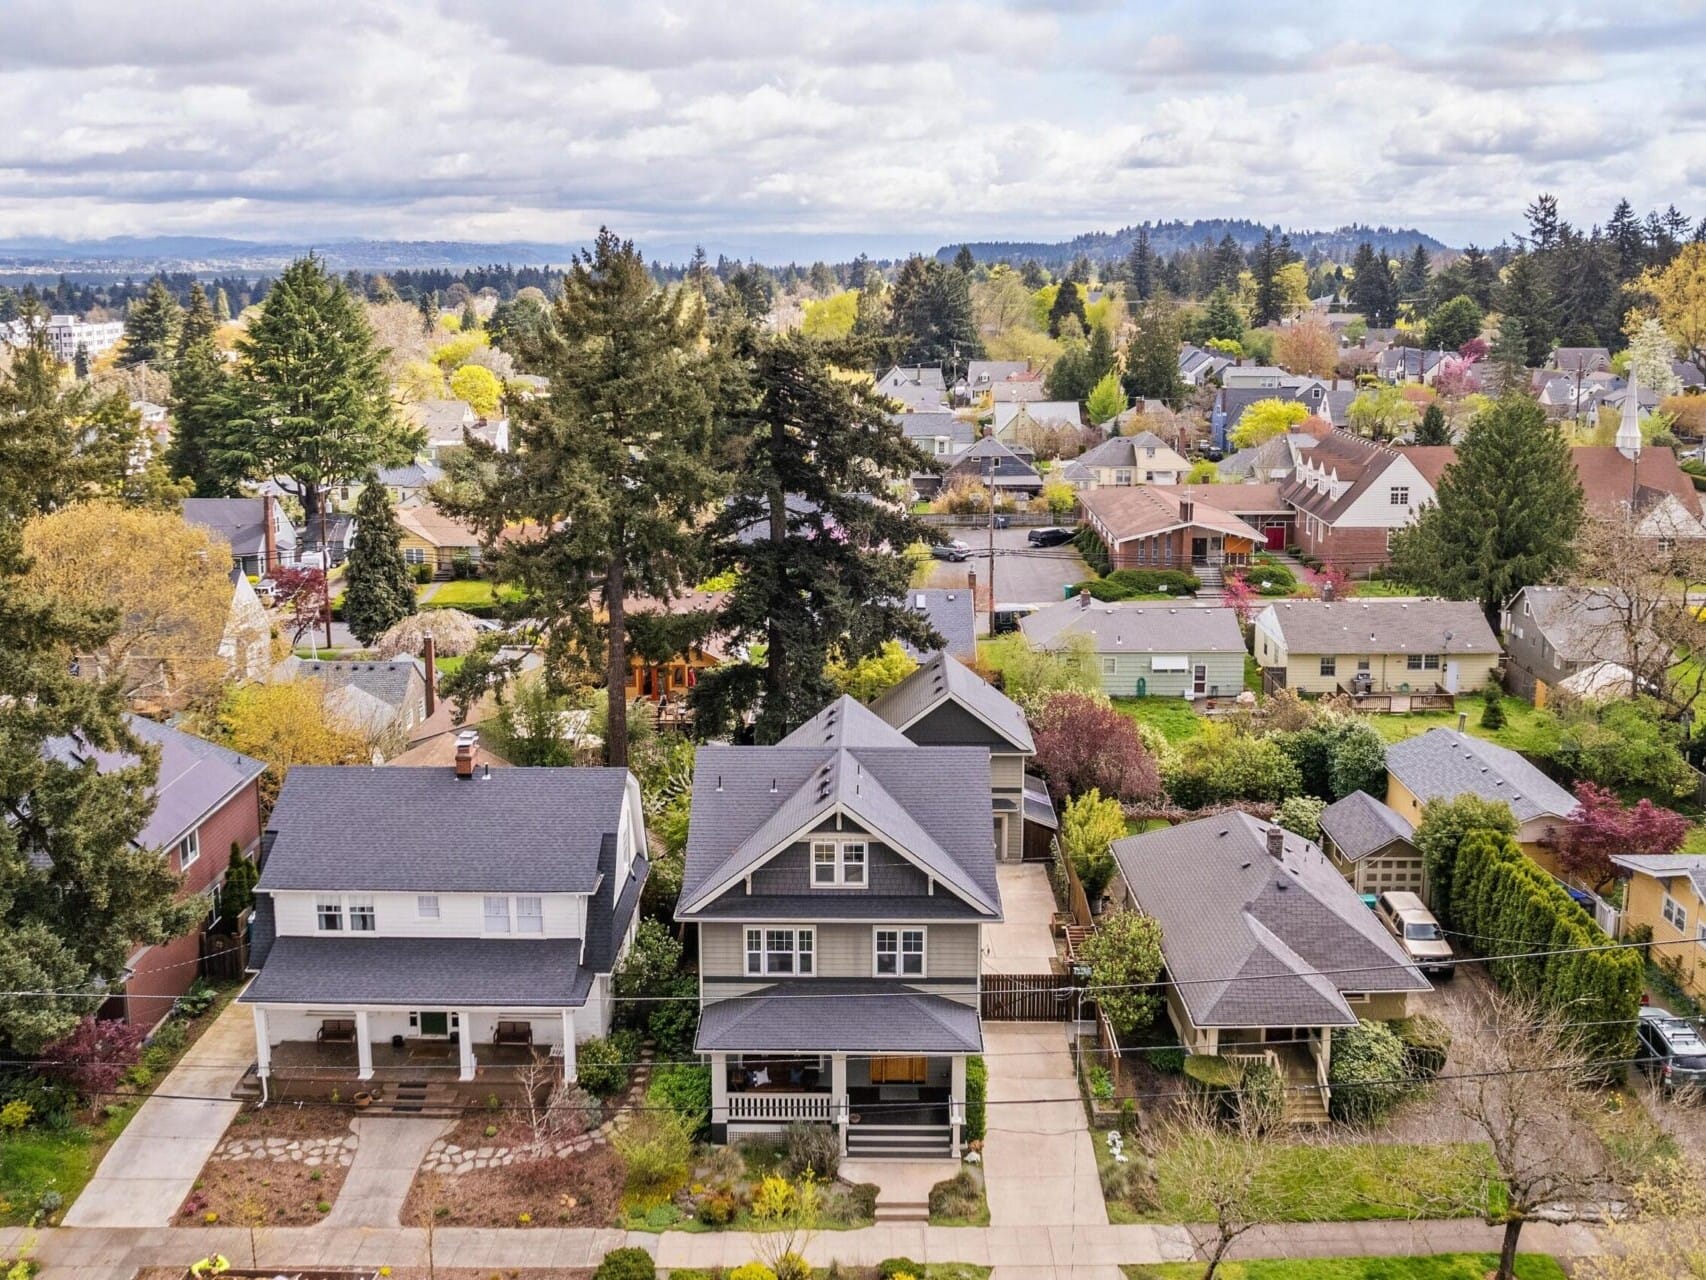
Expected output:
{"points": [[1308, 346]]}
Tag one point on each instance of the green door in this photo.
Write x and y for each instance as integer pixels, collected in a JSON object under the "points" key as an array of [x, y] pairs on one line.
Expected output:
{"points": [[435, 1024]]}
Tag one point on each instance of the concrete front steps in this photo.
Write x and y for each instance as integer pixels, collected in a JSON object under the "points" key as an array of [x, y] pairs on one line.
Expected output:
{"points": [[899, 1142]]}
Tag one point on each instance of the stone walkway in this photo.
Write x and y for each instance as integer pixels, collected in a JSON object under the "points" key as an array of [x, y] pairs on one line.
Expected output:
{"points": [[389, 1150]]}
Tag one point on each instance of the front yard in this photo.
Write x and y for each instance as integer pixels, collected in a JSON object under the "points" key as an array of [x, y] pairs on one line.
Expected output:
{"points": [[1440, 1266], [489, 1172], [281, 1166]]}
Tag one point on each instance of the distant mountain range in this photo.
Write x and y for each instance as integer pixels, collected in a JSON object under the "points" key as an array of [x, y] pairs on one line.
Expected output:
{"points": [[46, 254], [1168, 237]]}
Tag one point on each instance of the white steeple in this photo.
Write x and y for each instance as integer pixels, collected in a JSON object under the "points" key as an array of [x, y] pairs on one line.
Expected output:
{"points": [[1629, 428]]}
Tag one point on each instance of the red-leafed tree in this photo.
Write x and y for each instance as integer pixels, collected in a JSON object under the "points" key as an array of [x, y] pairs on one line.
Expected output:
{"points": [[1238, 597], [1082, 742], [301, 595], [1474, 349], [1603, 826], [94, 1056]]}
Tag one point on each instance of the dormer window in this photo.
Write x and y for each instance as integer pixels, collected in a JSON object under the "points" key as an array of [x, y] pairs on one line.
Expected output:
{"points": [[838, 864]]}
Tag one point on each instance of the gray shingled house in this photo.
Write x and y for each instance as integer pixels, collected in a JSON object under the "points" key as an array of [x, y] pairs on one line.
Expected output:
{"points": [[1373, 847], [839, 882], [1267, 949], [420, 928]]}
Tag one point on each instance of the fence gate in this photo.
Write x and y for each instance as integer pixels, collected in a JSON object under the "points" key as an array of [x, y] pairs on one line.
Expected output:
{"points": [[1028, 997], [224, 956]]}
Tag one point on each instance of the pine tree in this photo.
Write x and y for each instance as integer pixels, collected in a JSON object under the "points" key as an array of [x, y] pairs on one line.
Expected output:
{"points": [[151, 328], [930, 315], [1433, 429], [1222, 319], [1507, 511], [1033, 275], [221, 306], [202, 402], [1527, 295], [379, 590], [1152, 357], [964, 260], [612, 468], [1264, 268], [1099, 355], [1373, 290], [198, 322], [818, 554], [427, 305], [1227, 264], [470, 317], [1413, 283], [1508, 357], [1624, 232], [312, 403], [1140, 267], [1068, 301]]}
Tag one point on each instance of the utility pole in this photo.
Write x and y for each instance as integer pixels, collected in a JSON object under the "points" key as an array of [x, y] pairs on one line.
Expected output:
{"points": [[991, 546]]}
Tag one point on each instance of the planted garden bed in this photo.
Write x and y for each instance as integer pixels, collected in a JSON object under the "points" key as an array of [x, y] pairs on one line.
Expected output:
{"points": [[277, 1166]]}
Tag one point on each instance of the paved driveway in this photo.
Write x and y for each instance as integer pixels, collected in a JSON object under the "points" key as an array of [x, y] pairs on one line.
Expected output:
{"points": [[1023, 574], [147, 1173]]}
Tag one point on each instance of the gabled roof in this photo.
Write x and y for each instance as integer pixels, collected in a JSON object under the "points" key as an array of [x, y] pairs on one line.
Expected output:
{"points": [[1355, 462], [930, 424], [358, 829], [241, 522], [1126, 451], [1139, 510], [1581, 623], [432, 526], [980, 374], [1664, 866], [1012, 464], [846, 722], [942, 680], [930, 804], [1609, 478], [1042, 412], [1443, 763], [1237, 500], [1381, 625], [1430, 459], [1359, 825], [1129, 626], [1254, 941], [390, 682]]}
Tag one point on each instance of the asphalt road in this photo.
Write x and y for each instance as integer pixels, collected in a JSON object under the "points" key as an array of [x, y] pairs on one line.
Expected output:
{"points": [[1023, 574]]}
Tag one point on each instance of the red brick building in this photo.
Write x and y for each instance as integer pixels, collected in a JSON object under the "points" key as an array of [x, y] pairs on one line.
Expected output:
{"points": [[1350, 494]]}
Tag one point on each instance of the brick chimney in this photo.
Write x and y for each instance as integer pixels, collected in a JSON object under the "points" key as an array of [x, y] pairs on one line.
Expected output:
{"points": [[429, 657], [1276, 842], [1187, 510], [269, 535], [465, 754]]}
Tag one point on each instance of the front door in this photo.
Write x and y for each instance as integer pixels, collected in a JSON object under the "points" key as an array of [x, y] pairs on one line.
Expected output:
{"points": [[1199, 679], [1274, 534], [434, 1025], [1199, 550]]}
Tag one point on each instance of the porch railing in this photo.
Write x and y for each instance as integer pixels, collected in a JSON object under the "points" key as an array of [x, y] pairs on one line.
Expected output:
{"points": [[1267, 1056], [782, 1106]]}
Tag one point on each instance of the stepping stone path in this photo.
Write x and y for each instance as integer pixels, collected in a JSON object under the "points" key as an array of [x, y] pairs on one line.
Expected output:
{"points": [[447, 1157], [312, 1152]]}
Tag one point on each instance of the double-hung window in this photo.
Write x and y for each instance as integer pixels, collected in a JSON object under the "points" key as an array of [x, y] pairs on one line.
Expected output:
{"points": [[426, 906], [189, 849], [497, 913], [361, 915], [900, 953], [1329, 664], [329, 915], [838, 864], [529, 915], [780, 952], [1675, 914]]}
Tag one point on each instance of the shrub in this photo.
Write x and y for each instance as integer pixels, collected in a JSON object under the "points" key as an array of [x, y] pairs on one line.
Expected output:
{"points": [[812, 1148], [600, 1067], [1101, 1084], [1211, 1072], [1084, 744], [957, 1197], [674, 1020], [715, 1210], [1368, 1071], [1261, 1097], [1088, 827], [200, 997], [1222, 765], [889, 1268], [15, 1115], [1426, 1042], [652, 961], [1301, 815], [1444, 826], [1124, 955], [977, 1098], [656, 1147], [626, 1264], [1492, 708], [1169, 1060], [1125, 584], [792, 1266], [684, 1089], [1269, 578], [862, 1200], [748, 1271], [422, 573], [96, 1054]]}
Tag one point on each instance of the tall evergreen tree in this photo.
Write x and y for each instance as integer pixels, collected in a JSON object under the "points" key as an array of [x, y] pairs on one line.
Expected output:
{"points": [[1152, 356], [821, 570], [1543, 224], [1140, 267], [1221, 318], [427, 305], [151, 328], [1099, 354], [379, 590], [1508, 357], [1227, 264], [1624, 232], [964, 260], [1374, 291], [1033, 274], [930, 314], [1432, 429], [1507, 513], [1265, 265], [221, 306], [1527, 294], [609, 470], [198, 323], [1068, 301], [80, 363], [1413, 282], [201, 403], [470, 317], [312, 402]]}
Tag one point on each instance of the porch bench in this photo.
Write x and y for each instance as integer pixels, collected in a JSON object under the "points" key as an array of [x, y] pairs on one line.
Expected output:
{"points": [[513, 1033], [336, 1031]]}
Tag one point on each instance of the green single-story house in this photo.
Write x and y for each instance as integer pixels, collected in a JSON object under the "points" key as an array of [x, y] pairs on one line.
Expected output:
{"points": [[1149, 650]]}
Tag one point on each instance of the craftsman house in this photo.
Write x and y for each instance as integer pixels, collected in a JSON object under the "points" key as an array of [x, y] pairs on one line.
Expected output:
{"points": [[1666, 893], [840, 881], [1144, 458], [1268, 950], [1146, 527], [257, 530], [420, 929]]}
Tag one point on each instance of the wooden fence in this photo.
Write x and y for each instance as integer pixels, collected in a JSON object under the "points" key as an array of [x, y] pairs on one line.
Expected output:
{"points": [[1028, 997], [224, 956]]}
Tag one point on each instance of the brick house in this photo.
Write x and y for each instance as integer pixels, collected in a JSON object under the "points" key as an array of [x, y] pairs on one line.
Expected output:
{"points": [[1350, 494], [1150, 527]]}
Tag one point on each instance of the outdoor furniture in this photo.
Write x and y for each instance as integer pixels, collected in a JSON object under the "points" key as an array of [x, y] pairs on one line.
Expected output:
{"points": [[513, 1033], [336, 1031]]}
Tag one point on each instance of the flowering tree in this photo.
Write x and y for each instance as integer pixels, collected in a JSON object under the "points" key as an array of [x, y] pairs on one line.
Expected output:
{"points": [[1601, 827], [1238, 597], [1457, 378], [1083, 743]]}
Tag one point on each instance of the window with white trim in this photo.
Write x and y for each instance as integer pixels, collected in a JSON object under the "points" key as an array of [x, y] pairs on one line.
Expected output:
{"points": [[329, 915], [1422, 662], [497, 914], [1675, 914], [1110, 666], [1399, 495], [899, 953], [530, 914], [189, 850], [426, 906], [414, 555], [838, 864], [361, 915], [780, 952]]}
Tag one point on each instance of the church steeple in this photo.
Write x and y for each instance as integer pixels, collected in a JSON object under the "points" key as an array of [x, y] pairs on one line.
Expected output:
{"points": [[1629, 427]]}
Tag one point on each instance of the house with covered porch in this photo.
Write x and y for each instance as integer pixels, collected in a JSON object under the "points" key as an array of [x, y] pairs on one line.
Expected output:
{"points": [[1267, 950], [839, 882], [1147, 527], [420, 932]]}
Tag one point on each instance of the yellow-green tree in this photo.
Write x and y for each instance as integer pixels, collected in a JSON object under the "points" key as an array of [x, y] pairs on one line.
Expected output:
{"points": [[286, 724], [1266, 419], [1680, 290], [831, 317], [479, 388], [420, 380], [871, 675]]}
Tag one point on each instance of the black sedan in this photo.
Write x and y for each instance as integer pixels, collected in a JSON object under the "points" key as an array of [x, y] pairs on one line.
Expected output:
{"points": [[1052, 536]]}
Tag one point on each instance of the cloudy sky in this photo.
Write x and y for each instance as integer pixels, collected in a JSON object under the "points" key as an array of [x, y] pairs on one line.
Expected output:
{"points": [[821, 124]]}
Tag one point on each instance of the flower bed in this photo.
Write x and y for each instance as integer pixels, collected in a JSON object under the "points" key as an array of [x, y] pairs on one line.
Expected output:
{"points": [[500, 1182], [278, 1166]]}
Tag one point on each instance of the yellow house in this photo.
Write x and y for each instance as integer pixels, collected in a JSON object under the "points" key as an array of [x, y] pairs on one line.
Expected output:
{"points": [[1445, 764], [1667, 894], [1144, 458], [431, 537], [1398, 648]]}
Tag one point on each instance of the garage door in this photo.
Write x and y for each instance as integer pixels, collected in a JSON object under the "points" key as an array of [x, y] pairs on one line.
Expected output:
{"points": [[1383, 874]]}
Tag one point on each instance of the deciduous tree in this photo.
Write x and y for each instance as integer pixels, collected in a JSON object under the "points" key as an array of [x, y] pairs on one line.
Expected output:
{"points": [[1602, 827], [1266, 419], [1454, 323], [1083, 743], [1124, 955], [1107, 398], [1680, 289], [1651, 352], [1308, 346], [478, 388], [287, 723], [1380, 413]]}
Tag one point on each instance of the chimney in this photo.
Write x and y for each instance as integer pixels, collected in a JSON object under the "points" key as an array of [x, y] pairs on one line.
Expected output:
{"points": [[465, 753], [429, 657], [1276, 842], [269, 535], [1187, 510], [1083, 599]]}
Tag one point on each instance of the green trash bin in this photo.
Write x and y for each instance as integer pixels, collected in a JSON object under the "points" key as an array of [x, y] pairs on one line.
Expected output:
{"points": [[1142, 687]]}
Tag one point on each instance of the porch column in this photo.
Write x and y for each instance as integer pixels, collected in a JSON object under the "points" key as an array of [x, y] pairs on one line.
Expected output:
{"points": [[363, 1047], [568, 1046], [465, 1044], [719, 1096], [957, 1095], [263, 1043], [838, 1095]]}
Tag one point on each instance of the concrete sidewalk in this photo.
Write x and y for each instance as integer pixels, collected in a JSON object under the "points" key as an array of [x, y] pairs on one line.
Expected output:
{"points": [[389, 1151], [147, 1173]]}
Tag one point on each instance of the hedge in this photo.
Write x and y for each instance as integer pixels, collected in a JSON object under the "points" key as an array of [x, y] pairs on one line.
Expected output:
{"points": [[1426, 1041], [1506, 907], [1091, 547], [1368, 1072], [977, 1097], [1125, 584]]}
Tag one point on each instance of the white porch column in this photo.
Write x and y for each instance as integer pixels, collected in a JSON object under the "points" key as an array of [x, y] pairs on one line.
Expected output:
{"points": [[838, 1095], [363, 1047], [263, 1043], [568, 1046], [465, 1044], [957, 1095], [719, 1091]]}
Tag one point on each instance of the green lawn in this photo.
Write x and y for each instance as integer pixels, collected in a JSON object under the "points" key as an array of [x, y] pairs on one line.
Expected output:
{"points": [[1441, 1266], [37, 1161], [1172, 716], [449, 666], [465, 593], [1521, 732]]}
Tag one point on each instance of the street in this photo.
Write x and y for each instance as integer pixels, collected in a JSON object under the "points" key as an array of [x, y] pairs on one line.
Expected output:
{"points": [[1023, 574]]}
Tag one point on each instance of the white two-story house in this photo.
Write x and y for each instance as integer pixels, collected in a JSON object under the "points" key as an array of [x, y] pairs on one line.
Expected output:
{"points": [[840, 881], [439, 926]]}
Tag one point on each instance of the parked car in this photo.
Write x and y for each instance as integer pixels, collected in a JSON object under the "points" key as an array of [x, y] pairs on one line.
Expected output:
{"points": [[1416, 930], [1671, 1049], [1052, 536], [955, 550]]}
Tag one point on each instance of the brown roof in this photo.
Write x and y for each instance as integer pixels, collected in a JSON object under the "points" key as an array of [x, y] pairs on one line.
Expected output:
{"points": [[432, 525], [1238, 499], [1608, 477], [1145, 509], [1430, 459], [1352, 459]]}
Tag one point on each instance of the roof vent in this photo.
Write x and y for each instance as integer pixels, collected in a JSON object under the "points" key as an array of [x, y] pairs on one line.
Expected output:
{"points": [[772, 786], [719, 782], [486, 776]]}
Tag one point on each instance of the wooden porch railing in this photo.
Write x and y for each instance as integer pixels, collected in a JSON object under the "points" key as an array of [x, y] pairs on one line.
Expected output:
{"points": [[782, 1106]]}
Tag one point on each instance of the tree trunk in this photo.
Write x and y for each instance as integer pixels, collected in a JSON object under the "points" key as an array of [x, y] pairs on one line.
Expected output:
{"points": [[313, 498], [1507, 1251], [616, 667]]}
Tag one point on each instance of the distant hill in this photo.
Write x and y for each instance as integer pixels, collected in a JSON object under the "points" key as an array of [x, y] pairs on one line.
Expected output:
{"points": [[1168, 237], [181, 253]]}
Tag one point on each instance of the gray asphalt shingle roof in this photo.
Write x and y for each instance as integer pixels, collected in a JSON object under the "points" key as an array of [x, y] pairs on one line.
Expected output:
{"points": [[942, 679], [1583, 624], [950, 611], [358, 829], [413, 971], [1129, 627], [1382, 626], [839, 1017], [846, 722], [1358, 825], [390, 682], [1446, 763], [1663, 866], [241, 522], [1254, 942]]}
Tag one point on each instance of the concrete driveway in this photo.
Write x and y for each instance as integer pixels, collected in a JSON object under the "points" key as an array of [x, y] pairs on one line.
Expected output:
{"points": [[1022, 942], [1023, 574], [147, 1173]]}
